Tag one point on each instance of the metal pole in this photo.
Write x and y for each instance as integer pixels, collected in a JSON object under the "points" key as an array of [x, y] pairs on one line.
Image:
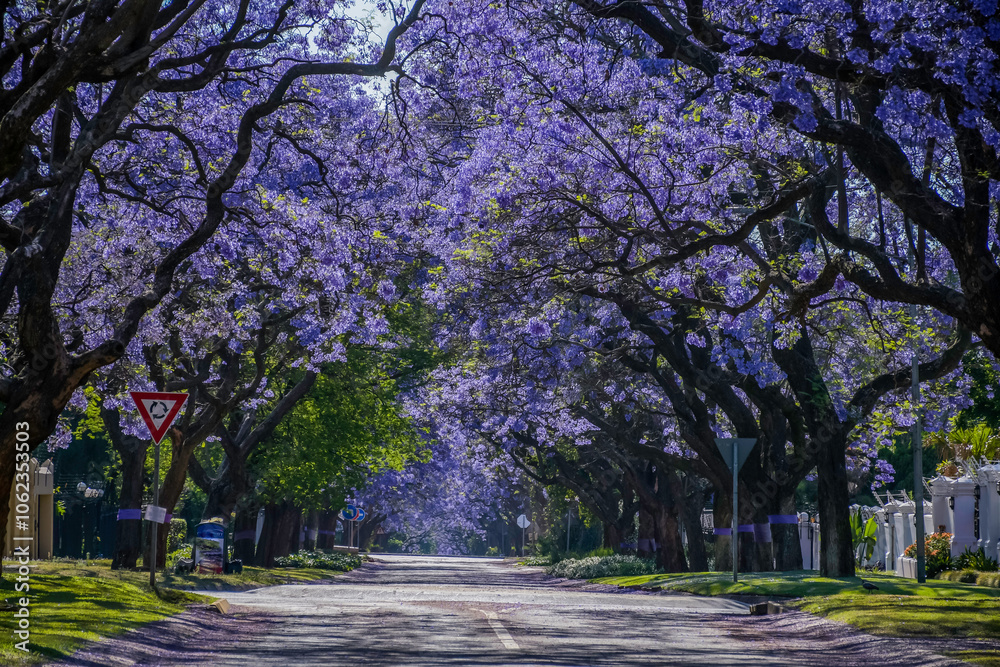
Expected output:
{"points": [[569, 514], [154, 526], [918, 466], [918, 450], [736, 497]]}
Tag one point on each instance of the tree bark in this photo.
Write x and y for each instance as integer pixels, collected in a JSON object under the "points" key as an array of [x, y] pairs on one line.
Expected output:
{"points": [[368, 529], [646, 546], [263, 552], [328, 530], [132, 452], [246, 522], [836, 556], [670, 548], [312, 530], [689, 505]]}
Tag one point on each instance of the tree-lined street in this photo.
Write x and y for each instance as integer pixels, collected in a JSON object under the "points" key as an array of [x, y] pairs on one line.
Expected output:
{"points": [[509, 279]]}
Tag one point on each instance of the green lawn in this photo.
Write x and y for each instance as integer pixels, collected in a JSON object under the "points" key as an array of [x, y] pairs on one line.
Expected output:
{"points": [[68, 611], [900, 608], [74, 602], [251, 577]]}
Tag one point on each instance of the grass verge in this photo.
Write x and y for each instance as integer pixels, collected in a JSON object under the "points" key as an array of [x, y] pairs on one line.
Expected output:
{"points": [[991, 579], [900, 608], [250, 578], [69, 611], [75, 602]]}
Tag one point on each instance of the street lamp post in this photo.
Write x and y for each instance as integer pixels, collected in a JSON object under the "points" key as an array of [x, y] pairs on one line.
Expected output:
{"points": [[918, 450], [569, 514]]}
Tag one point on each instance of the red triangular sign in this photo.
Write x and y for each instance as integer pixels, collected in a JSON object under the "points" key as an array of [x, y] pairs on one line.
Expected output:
{"points": [[158, 410]]}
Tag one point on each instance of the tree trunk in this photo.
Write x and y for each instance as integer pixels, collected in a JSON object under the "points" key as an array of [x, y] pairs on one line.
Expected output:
{"points": [[646, 546], [328, 530], [836, 557], [367, 530], [262, 554], [288, 541], [689, 505], [612, 537], [787, 550], [828, 442], [280, 521], [128, 538], [670, 549], [224, 494], [722, 512], [244, 531], [312, 530]]}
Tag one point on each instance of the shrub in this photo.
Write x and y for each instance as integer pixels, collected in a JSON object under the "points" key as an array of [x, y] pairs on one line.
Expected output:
{"points": [[177, 534], [320, 560], [991, 579], [536, 560], [937, 552], [975, 560], [600, 552], [606, 566], [182, 551]]}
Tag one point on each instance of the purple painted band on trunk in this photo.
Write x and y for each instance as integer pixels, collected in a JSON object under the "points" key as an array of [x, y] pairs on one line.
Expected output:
{"points": [[245, 535], [762, 532], [129, 515], [744, 528], [327, 532], [167, 518], [783, 518]]}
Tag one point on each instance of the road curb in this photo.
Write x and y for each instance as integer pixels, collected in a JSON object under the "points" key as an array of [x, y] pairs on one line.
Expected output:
{"points": [[759, 605]]}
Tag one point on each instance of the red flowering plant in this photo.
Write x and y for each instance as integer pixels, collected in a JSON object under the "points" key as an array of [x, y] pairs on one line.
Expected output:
{"points": [[937, 553]]}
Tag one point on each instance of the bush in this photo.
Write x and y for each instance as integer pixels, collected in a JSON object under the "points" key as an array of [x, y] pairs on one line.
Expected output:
{"points": [[937, 551], [603, 566], [318, 559], [600, 552], [975, 560], [182, 551], [177, 534], [536, 560], [991, 579]]}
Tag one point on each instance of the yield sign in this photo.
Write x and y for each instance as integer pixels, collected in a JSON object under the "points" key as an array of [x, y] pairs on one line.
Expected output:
{"points": [[743, 447], [158, 410]]}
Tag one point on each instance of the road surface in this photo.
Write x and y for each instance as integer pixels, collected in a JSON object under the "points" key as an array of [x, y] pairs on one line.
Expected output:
{"points": [[429, 611]]}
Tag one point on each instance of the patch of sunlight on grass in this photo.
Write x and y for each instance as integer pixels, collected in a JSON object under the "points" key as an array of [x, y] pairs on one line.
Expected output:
{"points": [[67, 612]]}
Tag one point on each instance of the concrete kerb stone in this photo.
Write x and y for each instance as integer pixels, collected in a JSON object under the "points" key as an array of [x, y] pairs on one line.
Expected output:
{"points": [[759, 605]]}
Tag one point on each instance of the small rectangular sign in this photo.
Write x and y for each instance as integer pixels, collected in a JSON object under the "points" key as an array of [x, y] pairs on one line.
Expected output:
{"points": [[156, 514]]}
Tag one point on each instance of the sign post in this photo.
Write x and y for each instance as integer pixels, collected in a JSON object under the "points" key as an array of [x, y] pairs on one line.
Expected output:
{"points": [[359, 518], [158, 410], [735, 452], [523, 522], [350, 514]]}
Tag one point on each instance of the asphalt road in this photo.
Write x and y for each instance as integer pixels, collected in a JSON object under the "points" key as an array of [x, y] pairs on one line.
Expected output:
{"points": [[421, 611], [408, 610]]}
